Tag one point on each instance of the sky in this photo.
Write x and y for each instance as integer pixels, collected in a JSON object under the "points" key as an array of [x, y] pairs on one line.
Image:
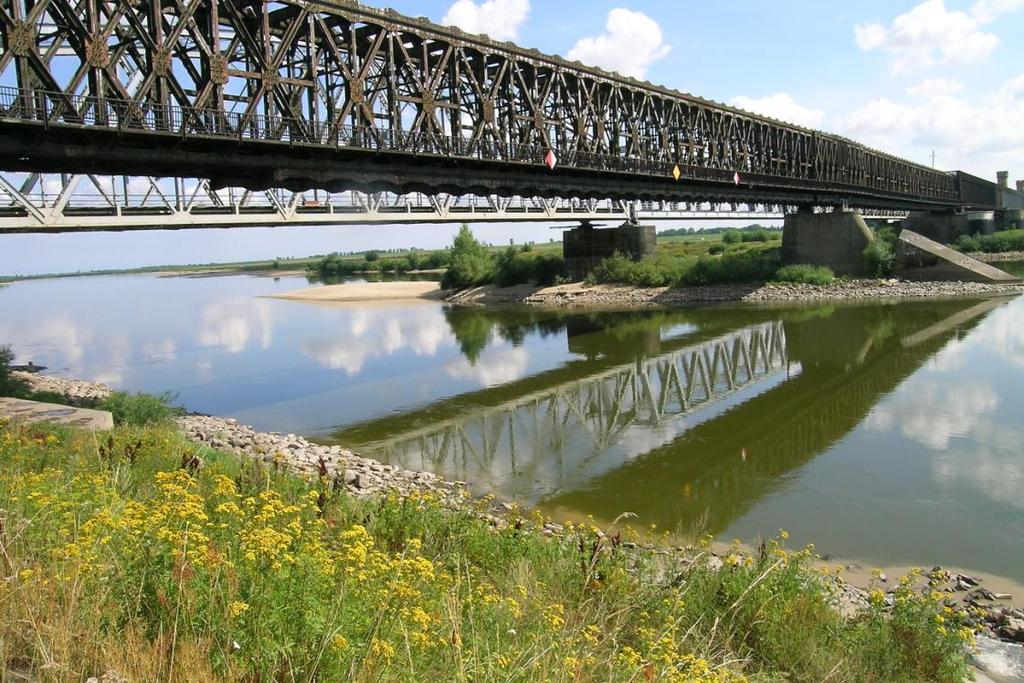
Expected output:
{"points": [[942, 77]]}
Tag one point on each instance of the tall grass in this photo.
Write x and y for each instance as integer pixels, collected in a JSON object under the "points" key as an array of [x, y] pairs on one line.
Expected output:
{"points": [[125, 555], [999, 242], [666, 270], [139, 409], [805, 274], [9, 385]]}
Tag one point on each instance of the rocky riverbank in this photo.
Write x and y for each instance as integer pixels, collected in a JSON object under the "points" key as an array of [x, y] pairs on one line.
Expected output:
{"points": [[995, 614], [1002, 257], [612, 296], [357, 475]]}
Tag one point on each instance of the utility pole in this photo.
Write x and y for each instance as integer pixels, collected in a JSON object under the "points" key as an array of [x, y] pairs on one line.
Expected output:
{"points": [[933, 158]]}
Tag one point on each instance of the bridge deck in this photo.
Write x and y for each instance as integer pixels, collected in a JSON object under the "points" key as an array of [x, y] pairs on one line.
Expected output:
{"points": [[338, 96]]}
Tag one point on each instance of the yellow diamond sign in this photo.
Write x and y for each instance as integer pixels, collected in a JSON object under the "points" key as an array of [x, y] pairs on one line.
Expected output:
{"points": [[676, 173]]}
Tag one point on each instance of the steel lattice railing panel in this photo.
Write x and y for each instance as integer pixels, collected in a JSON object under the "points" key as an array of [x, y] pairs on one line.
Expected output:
{"points": [[36, 202], [340, 75]]}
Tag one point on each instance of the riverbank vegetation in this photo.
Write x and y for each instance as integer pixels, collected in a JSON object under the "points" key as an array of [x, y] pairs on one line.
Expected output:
{"points": [[880, 256], [472, 263], [127, 409], [146, 556], [731, 256], [996, 243]]}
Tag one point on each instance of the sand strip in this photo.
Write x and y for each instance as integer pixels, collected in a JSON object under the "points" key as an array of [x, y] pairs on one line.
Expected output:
{"points": [[367, 291]]}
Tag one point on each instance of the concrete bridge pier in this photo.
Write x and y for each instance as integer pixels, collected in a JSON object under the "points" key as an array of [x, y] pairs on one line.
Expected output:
{"points": [[586, 246], [1010, 219], [836, 240]]}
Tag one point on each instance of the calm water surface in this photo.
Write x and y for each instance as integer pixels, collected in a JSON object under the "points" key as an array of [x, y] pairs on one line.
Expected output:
{"points": [[891, 433]]}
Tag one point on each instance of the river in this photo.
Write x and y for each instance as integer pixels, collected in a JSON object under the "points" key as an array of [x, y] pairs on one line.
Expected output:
{"points": [[890, 433]]}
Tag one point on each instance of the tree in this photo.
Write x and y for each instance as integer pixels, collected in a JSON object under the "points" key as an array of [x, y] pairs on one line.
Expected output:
{"points": [[470, 262]]}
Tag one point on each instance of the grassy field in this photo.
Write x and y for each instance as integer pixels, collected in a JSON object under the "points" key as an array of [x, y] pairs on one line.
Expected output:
{"points": [[150, 557], [687, 244]]}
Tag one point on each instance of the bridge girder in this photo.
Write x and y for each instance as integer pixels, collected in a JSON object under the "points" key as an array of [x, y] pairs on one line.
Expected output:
{"points": [[51, 203], [294, 94]]}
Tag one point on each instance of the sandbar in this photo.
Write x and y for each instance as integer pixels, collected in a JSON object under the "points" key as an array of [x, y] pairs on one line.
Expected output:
{"points": [[367, 292]]}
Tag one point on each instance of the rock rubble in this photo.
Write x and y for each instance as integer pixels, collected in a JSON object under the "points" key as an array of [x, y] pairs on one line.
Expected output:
{"points": [[612, 296], [78, 392], [358, 475]]}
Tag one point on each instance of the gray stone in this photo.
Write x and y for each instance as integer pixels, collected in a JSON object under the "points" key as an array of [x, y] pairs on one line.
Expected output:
{"points": [[1013, 629], [31, 412], [1003, 662]]}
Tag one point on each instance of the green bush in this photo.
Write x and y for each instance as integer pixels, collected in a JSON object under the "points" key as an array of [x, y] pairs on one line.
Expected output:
{"points": [[754, 236], [805, 274], [470, 265], [334, 265], [139, 409], [715, 249], [741, 266], [996, 243], [968, 243], [879, 258], [9, 386], [663, 271], [371, 256], [513, 266], [731, 237], [659, 271]]}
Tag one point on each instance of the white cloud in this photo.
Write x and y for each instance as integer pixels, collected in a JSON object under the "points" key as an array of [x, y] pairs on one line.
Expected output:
{"points": [[987, 10], [931, 414], [997, 473], [977, 134], [495, 366], [499, 19], [935, 87], [1012, 89], [781, 106], [381, 332], [632, 42], [230, 324], [930, 34]]}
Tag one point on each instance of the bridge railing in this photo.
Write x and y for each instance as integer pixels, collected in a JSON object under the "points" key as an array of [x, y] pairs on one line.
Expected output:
{"points": [[60, 109]]}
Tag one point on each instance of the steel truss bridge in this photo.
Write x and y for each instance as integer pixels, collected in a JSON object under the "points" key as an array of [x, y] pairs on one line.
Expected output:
{"points": [[336, 96], [34, 202], [615, 415]]}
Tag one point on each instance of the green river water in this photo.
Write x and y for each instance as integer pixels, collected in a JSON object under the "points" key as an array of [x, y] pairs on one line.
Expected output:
{"points": [[886, 432]]}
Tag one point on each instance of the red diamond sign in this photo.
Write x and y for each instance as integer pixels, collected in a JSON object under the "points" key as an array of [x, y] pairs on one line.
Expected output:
{"points": [[736, 178], [550, 160]]}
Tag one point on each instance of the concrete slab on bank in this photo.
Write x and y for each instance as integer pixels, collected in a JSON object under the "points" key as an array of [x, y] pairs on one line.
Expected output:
{"points": [[31, 412]]}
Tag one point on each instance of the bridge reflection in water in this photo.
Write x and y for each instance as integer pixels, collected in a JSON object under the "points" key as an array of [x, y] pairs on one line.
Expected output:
{"points": [[687, 419]]}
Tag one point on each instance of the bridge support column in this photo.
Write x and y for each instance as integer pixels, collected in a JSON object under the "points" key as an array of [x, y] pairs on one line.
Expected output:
{"points": [[1010, 219], [585, 247], [836, 240], [946, 227]]}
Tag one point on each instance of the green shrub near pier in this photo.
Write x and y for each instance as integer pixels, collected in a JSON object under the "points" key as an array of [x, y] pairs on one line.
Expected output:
{"points": [[805, 274], [996, 243], [146, 556]]}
